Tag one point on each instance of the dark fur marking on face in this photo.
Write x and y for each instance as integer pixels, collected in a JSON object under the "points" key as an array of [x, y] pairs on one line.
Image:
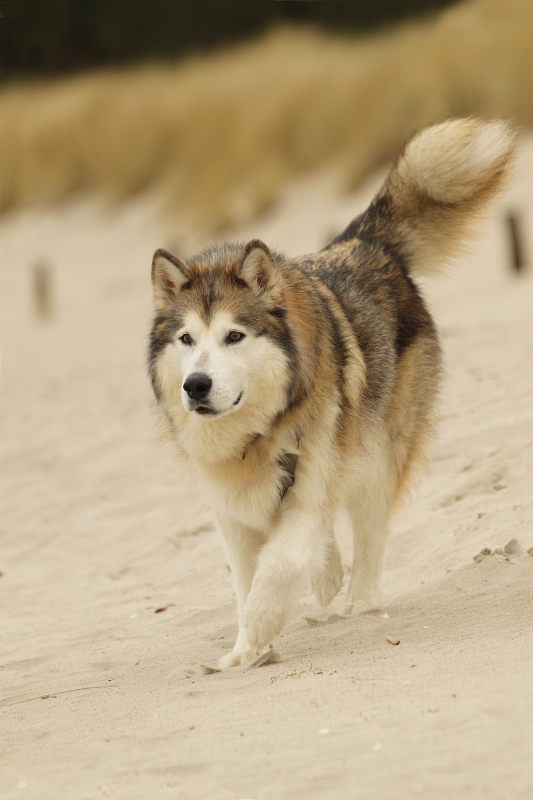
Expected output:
{"points": [[162, 333], [238, 281], [283, 337]]}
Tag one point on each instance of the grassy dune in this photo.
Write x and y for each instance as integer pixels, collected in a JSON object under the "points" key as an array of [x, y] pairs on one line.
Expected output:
{"points": [[222, 134]]}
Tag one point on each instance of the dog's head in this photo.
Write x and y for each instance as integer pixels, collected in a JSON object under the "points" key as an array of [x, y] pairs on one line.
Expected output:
{"points": [[220, 340]]}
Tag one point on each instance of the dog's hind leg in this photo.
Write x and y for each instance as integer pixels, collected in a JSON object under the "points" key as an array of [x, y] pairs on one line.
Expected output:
{"points": [[368, 511], [326, 581], [242, 547]]}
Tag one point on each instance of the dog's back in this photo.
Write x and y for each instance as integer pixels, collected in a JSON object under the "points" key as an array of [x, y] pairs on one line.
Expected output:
{"points": [[427, 209]]}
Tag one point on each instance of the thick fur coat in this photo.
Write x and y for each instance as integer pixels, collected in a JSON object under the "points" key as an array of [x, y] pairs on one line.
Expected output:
{"points": [[293, 387]]}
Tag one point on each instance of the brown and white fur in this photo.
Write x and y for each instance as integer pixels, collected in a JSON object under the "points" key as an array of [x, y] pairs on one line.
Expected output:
{"points": [[332, 357]]}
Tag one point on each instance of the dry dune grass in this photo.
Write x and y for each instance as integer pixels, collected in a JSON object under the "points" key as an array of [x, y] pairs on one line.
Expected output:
{"points": [[222, 134]]}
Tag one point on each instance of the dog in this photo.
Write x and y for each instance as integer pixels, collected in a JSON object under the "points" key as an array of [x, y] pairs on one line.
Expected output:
{"points": [[292, 387]]}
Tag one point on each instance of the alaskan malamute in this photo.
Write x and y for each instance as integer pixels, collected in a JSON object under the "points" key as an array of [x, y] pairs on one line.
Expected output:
{"points": [[295, 386]]}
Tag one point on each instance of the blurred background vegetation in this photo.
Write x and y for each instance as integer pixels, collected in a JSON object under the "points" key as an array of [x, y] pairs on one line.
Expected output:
{"points": [[217, 104], [50, 37]]}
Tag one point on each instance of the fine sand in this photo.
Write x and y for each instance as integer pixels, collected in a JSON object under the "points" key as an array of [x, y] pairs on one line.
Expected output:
{"points": [[114, 587]]}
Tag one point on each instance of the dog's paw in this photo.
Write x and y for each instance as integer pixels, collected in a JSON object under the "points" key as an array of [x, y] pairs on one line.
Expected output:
{"points": [[261, 633], [361, 605], [237, 657], [262, 625], [355, 607]]}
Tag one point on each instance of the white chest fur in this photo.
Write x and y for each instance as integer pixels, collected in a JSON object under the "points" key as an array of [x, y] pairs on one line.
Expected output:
{"points": [[246, 491]]}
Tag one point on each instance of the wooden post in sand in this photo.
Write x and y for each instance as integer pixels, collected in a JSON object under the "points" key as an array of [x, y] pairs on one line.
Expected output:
{"points": [[518, 256], [42, 291]]}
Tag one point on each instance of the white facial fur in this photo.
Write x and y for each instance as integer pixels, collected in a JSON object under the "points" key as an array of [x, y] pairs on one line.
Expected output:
{"points": [[211, 354], [256, 366], [242, 369]]}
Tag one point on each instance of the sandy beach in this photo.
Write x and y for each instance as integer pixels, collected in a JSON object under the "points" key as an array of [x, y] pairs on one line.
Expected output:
{"points": [[114, 588]]}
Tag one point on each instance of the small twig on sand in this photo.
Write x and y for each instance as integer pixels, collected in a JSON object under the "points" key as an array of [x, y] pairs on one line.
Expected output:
{"points": [[64, 691]]}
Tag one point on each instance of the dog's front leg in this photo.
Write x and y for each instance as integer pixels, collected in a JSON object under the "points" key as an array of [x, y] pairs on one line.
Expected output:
{"points": [[294, 549], [242, 548]]}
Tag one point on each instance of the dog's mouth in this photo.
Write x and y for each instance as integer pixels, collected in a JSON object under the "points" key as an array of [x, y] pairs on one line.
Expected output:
{"points": [[207, 411]]}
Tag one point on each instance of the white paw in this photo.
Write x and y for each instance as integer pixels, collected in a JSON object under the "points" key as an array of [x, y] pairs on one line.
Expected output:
{"points": [[267, 608], [362, 604], [356, 607], [237, 657], [261, 633], [264, 620]]}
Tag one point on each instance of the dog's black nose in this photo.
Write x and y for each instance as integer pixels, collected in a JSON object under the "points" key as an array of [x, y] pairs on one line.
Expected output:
{"points": [[198, 386]]}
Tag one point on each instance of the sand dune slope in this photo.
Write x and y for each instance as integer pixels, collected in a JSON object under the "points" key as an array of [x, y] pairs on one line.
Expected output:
{"points": [[99, 530]]}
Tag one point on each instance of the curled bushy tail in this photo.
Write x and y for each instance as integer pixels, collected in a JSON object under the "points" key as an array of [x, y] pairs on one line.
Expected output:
{"points": [[440, 186]]}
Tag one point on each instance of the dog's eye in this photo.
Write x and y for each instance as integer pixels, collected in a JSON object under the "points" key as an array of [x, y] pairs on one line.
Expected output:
{"points": [[186, 338], [234, 336]]}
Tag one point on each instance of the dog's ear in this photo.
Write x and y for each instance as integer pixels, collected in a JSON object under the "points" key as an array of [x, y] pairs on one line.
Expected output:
{"points": [[260, 272], [168, 276]]}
